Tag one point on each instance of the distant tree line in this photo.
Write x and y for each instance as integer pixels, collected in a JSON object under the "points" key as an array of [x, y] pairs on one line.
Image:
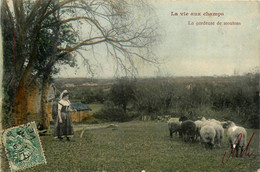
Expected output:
{"points": [[232, 98]]}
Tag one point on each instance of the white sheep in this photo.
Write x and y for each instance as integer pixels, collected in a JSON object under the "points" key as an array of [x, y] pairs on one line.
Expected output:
{"points": [[219, 134], [218, 128], [174, 126], [224, 124], [207, 134], [198, 124], [215, 121], [237, 137]]}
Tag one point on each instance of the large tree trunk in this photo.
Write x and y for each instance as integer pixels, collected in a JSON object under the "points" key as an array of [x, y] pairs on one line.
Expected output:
{"points": [[20, 106], [44, 94]]}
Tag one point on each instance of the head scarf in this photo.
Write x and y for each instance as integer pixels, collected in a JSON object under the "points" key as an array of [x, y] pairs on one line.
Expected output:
{"points": [[63, 92]]}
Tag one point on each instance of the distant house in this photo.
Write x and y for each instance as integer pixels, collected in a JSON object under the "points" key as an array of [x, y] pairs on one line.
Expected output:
{"points": [[82, 113]]}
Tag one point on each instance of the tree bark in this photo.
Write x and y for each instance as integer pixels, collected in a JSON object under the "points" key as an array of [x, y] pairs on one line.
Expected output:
{"points": [[20, 106], [44, 94]]}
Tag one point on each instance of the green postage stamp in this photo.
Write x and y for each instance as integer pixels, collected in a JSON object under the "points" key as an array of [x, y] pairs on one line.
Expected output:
{"points": [[23, 147]]}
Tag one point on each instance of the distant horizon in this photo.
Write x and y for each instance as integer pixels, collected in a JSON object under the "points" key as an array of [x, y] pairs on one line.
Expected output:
{"points": [[144, 77]]}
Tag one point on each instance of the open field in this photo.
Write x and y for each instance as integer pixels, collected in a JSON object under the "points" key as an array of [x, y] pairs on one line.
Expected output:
{"points": [[137, 146], [95, 107]]}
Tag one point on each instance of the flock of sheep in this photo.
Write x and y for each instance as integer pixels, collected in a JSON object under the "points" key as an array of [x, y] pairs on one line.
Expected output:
{"points": [[209, 132]]}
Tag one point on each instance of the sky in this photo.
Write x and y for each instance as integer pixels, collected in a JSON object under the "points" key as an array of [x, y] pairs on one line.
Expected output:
{"points": [[190, 50]]}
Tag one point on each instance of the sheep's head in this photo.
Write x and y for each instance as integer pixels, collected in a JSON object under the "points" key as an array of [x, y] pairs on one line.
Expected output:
{"points": [[227, 124], [224, 124]]}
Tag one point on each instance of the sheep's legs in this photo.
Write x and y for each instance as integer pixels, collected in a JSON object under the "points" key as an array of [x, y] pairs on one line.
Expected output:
{"points": [[170, 134], [220, 141], [208, 145], [231, 146], [185, 137], [196, 135], [242, 149], [237, 149], [211, 146], [217, 142], [180, 134], [199, 139], [192, 139]]}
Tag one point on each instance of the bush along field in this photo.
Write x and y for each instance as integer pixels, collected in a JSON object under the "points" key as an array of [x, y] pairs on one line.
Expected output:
{"points": [[137, 146], [234, 98]]}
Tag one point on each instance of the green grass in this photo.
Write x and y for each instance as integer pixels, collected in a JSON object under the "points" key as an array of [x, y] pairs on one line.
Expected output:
{"points": [[95, 107], [137, 146]]}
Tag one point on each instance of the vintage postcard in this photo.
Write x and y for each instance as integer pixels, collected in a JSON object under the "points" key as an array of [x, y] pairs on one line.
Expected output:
{"points": [[129, 85]]}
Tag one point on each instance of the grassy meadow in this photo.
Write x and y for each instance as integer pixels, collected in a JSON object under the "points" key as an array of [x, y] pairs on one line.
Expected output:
{"points": [[95, 107], [137, 146], [146, 145]]}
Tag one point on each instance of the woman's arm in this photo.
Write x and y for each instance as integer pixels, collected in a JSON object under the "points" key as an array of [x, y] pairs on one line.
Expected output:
{"points": [[70, 108], [59, 114]]}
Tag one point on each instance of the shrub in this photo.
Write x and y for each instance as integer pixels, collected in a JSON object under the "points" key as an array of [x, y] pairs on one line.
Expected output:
{"points": [[110, 112]]}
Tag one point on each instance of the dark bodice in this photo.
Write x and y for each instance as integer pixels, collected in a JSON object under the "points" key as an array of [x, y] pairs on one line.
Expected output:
{"points": [[64, 108]]}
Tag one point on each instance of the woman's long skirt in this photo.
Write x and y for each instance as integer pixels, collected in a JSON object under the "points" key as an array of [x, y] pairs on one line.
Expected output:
{"points": [[65, 128]]}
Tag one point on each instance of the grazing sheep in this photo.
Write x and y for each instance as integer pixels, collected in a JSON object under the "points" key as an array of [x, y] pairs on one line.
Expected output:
{"points": [[198, 124], [174, 126], [206, 122], [224, 124], [215, 121], [207, 134], [188, 130], [219, 134], [234, 138], [218, 129]]}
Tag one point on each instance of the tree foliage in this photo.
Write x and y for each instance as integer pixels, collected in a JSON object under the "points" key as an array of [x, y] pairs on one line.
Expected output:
{"points": [[44, 35], [123, 92]]}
